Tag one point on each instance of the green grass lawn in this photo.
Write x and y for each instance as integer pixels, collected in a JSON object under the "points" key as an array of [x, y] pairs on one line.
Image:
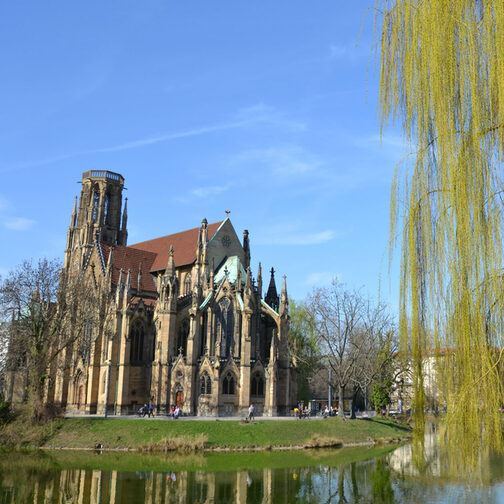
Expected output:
{"points": [[135, 434]]}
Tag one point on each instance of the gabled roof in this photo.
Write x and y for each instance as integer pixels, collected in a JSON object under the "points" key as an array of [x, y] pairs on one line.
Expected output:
{"points": [[184, 245], [129, 258]]}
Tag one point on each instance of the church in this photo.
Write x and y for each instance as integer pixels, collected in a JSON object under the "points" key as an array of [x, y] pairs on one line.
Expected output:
{"points": [[190, 326]]}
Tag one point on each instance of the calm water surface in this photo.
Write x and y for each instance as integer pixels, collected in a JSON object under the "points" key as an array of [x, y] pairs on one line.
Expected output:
{"points": [[363, 475]]}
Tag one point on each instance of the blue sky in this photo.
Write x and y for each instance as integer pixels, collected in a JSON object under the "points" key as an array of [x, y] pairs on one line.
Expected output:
{"points": [[266, 108]]}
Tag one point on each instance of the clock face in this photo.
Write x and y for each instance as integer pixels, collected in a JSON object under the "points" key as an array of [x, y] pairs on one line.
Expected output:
{"points": [[226, 241]]}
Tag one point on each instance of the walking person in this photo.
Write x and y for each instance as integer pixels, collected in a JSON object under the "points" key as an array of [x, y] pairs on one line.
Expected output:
{"points": [[251, 412]]}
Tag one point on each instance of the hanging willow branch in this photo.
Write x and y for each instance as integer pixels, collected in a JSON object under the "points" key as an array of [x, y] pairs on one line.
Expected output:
{"points": [[442, 74]]}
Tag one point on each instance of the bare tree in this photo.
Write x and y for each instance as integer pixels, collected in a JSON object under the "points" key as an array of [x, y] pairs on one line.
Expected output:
{"points": [[337, 318], [47, 312], [355, 337], [376, 348]]}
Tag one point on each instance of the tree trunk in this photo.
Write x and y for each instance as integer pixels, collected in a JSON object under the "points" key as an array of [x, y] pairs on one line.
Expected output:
{"points": [[354, 398], [341, 412]]}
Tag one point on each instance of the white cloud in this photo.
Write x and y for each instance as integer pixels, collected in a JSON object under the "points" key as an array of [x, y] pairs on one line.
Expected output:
{"points": [[202, 192], [164, 137], [18, 223], [267, 115], [255, 115], [281, 160]]}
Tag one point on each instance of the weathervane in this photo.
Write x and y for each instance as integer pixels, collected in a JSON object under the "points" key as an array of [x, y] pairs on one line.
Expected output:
{"points": [[228, 212]]}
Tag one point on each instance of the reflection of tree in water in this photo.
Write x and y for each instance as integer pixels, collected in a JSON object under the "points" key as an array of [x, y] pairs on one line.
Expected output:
{"points": [[380, 483], [370, 481]]}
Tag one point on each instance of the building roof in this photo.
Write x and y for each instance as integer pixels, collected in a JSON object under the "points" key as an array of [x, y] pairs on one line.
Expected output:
{"points": [[184, 246], [230, 269], [128, 258]]}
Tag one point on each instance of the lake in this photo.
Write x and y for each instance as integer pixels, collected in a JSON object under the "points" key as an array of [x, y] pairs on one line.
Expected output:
{"points": [[387, 474]]}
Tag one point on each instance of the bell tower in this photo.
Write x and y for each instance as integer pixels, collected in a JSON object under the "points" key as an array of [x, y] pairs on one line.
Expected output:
{"points": [[100, 205], [98, 213]]}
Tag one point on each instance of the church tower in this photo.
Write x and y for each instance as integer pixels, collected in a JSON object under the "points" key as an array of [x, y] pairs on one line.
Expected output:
{"points": [[98, 214]]}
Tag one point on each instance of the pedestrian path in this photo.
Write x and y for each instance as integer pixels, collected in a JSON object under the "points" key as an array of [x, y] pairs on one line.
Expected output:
{"points": [[202, 418]]}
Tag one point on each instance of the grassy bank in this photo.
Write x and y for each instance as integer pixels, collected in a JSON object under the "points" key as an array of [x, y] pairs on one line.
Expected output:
{"points": [[163, 435], [167, 435], [17, 462]]}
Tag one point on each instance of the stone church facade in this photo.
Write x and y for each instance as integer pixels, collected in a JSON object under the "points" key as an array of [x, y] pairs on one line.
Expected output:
{"points": [[188, 324]]}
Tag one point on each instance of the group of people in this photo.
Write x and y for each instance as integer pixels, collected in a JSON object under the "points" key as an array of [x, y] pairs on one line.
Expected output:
{"points": [[301, 412], [304, 412], [146, 410], [175, 412]]}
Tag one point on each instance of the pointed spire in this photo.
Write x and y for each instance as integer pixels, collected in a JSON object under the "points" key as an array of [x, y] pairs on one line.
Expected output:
{"points": [[120, 281], [128, 280], [273, 348], [110, 263], [73, 220], [202, 242], [284, 300], [259, 281], [248, 281], [246, 247], [170, 267], [120, 286], [125, 215], [272, 295], [140, 278]]}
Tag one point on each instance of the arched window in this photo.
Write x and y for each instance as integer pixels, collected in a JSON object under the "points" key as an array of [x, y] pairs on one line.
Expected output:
{"points": [[205, 384], [182, 335], [228, 384], [96, 204], [86, 341], [187, 283], [137, 341], [257, 385], [225, 326], [106, 206]]}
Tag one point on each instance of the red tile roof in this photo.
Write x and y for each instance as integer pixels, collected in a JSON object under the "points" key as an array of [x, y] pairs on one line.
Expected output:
{"points": [[153, 255], [147, 301], [184, 245], [129, 258]]}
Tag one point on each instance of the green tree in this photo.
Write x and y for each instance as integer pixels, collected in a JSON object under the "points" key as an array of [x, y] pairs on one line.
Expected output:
{"points": [[442, 68], [380, 394], [303, 346]]}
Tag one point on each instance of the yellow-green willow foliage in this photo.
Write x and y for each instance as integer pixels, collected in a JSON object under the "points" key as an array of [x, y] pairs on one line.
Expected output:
{"points": [[442, 74]]}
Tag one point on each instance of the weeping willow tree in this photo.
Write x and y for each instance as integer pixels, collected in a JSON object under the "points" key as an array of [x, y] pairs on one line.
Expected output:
{"points": [[442, 75]]}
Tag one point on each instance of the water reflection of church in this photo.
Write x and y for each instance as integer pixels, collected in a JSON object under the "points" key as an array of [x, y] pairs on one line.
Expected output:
{"points": [[199, 487]]}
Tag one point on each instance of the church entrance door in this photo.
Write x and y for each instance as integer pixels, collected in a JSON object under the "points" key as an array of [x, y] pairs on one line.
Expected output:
{"points": [[179, 398]]}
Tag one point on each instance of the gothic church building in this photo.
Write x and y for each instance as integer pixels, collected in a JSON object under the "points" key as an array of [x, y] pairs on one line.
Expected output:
{"points": [[190, 325]]}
